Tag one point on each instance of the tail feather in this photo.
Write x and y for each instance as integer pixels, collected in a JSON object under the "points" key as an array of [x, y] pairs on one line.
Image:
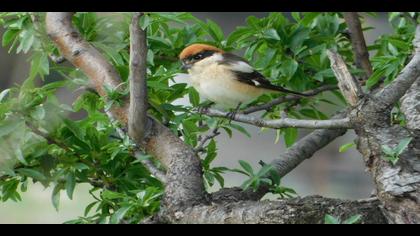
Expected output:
{"points": [[283, 90]]}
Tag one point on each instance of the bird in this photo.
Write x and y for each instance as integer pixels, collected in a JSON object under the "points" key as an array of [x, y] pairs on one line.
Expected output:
{"points": [[224, 78]]}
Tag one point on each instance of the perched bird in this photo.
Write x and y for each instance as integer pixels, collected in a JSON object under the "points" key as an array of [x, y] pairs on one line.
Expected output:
{"points": [[224, 78]]}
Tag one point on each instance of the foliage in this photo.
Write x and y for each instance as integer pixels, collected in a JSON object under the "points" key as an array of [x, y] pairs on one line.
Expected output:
{"points": [[393, 154], [329, 219], [63, 145]]}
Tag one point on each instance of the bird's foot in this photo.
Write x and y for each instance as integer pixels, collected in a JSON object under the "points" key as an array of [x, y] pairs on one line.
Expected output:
{"points": [[204, 107], [231, 115]]}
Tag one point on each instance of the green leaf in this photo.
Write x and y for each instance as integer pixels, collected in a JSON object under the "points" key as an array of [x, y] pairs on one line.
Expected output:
{"points": [[388, 150], [19, 156], [74, 128], [3, 94], [296, 16], [215, 31], [110, 195], [329, 219], [271, 34], [56, 196], [246, 184], [8, 126], [70, 185], [8, 36], [402, 145], [289, 67], [119, 214], [309, 17], [220, 179], [353, 220], [80, 166], [345, 147], [39, 65], [144, 21], [89, 207], [38, 113], [374, 78], [194, 97], [26, 42], [264, 170], [290, 136], [209, 178], [32, 173], [240, 129], [247, 167]]}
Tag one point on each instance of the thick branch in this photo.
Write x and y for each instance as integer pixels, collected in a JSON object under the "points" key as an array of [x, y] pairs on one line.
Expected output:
{"points": [[410, 106], [398, 183], [349, 87], [358, 42], [309, 210], [288, 98], [282, 123], [394, 91], [137, 116], [306, 147]]}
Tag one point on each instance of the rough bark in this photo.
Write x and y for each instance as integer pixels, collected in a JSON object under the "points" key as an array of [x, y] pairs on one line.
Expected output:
{"points": [[137, 117], [349, 87], [309, 210], [397, 186], [410, 106]]}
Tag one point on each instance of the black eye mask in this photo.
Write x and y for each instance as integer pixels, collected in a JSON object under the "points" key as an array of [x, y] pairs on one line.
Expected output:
{"points": [[199, 56]]}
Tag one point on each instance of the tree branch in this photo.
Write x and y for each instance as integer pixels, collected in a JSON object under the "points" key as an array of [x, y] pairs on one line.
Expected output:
{"points": [[410, 106], [394, 91], [398, 183], [358, 42], [306, 147], [200, 146], [308, 210], [137, 115], [288, 98], [348, 85], [283, 122]]}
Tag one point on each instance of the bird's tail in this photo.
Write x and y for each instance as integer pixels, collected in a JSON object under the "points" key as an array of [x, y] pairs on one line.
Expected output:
{"points": [[283, 90]]}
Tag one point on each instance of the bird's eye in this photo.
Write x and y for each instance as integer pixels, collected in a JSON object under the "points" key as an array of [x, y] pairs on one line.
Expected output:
{"points": [[198, 56]]}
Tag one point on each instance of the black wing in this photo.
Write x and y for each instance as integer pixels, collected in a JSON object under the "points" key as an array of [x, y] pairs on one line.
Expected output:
{"points": [[253, 78], [258, 80]]}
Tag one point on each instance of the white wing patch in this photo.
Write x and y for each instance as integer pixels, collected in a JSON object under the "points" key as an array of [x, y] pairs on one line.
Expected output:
{"points": [[242, 67], [256, 83]]}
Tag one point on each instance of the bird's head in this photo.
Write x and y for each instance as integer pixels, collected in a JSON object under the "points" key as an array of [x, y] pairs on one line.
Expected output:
{"points": [[195, 53]]}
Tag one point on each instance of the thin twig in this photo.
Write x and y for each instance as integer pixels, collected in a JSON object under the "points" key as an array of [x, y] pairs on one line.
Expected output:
{"points": [[281, 123], [289, 98], [200, 147]]}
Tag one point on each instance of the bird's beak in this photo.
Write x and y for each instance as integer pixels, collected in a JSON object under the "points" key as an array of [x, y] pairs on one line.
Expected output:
{"points": [[185, 66]]}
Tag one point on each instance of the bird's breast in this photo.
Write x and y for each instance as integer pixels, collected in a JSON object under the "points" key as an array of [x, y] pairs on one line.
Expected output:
{"points": [[218, 84]]}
